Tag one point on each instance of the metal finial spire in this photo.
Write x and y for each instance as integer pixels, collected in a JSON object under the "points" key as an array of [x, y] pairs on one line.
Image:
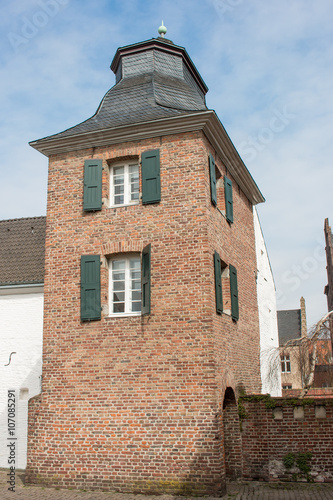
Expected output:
{"points": [[162, 30]]}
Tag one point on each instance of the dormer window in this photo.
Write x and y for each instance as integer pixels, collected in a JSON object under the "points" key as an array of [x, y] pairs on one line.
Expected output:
{"points": [[124, 184]]}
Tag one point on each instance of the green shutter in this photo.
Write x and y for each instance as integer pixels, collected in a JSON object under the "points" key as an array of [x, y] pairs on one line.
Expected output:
{"points": [[212, 175], [218, 283], [92, 191], [90, 288], [234, 292], [228, 199], [145, 280], [151, 182]]}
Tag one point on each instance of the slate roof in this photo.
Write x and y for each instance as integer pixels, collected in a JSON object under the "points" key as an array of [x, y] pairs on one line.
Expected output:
{"points": [[158, 91], [22, 251], [289, 325], [154, 79]]}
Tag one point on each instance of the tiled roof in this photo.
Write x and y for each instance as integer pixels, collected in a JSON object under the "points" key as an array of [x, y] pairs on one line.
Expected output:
{"points": [[154, 80], [289, 325], [22, 250]]}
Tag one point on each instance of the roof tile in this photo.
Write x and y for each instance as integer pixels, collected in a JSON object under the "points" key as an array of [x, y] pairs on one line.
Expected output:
{"points": [[22, 250]]}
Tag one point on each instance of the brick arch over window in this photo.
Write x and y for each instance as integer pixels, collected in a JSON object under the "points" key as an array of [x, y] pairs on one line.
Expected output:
{"points": [[124, 246], [232, 436]]}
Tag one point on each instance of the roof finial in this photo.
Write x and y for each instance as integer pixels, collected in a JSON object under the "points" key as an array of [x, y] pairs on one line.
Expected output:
{"points": [[162, 30]]}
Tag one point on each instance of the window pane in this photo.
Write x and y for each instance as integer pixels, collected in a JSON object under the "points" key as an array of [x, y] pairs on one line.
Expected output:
{"points": [[135, 196], [136, 285], [119, 189], [119, 286], [119, 200], [136, 295], [119, 297], [118, 264], [118, 276], [135, 263], [119, 307], [118, 171], [134, 170], [136, 306]]}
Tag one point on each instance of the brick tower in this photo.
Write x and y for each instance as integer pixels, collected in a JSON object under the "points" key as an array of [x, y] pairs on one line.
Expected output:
{"points": [[151, 319]]}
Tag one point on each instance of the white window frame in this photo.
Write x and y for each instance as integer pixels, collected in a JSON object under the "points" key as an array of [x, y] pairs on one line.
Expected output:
{"points": [[127, 257], [285, 361], [127, 184]]}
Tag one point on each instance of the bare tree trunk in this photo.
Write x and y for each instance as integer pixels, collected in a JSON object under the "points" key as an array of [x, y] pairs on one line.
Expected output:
{"points": [[314, 339]]}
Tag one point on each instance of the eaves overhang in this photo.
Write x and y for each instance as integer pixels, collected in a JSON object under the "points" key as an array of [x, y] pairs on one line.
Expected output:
{"points": [[205, 121], [21, 288]]}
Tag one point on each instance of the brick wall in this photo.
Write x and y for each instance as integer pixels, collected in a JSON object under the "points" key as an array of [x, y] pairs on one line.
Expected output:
{"points": [[294, 428], [132, 403], [320, 392]]}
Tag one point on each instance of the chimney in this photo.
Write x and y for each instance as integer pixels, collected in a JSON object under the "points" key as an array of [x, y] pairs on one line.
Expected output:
{"points": [[304, 329]]}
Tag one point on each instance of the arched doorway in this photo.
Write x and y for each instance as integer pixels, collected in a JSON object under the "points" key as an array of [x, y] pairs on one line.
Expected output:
{"points": [[232, 437]]}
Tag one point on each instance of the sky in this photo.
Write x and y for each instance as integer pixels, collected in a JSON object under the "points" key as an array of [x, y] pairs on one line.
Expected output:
{"points": [[268, 67]]}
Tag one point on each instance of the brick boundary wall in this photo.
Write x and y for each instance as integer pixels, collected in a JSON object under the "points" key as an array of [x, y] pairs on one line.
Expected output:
{"points": [[317, 392], [287, 439]]}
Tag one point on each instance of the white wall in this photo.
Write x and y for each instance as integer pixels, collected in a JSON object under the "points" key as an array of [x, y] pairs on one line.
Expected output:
{"points": [[21, 332], [269, 338]]}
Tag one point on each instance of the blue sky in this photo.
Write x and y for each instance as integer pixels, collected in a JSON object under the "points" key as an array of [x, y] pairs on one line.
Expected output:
{"points": [[268, 66]]}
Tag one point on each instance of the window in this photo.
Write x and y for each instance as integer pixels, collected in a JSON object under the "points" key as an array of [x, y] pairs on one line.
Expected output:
{"points": [[226, 205], [124, 186], [129, 295], [285, 363], [226, 288], [125, 285], [285, 387]]}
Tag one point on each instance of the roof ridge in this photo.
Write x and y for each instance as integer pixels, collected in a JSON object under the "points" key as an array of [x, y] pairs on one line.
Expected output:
{"points": [[23, 218]]}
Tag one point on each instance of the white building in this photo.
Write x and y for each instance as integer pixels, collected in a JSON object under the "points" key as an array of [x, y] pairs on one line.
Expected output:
{"points": [[269, 337], [22, 246]]}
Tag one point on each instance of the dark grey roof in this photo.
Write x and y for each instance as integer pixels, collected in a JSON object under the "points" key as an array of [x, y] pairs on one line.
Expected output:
{"points": [[289, 325], [154, 79], [22, 250]]}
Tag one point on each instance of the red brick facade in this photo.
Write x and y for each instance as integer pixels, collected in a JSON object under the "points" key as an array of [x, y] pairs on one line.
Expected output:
{"points": [[133, 403]]}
